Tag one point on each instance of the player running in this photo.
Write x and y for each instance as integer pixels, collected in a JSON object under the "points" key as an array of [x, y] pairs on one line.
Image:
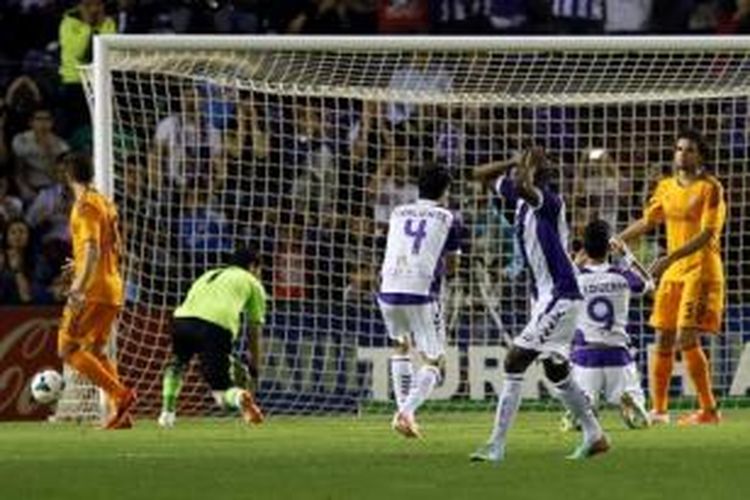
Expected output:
{"points": [[423, 244]]}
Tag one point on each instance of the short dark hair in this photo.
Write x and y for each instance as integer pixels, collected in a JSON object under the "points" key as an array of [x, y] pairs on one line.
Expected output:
{"points": [[596, 239], [433, 181], [79, 167], [696, 138], [245, 256]]}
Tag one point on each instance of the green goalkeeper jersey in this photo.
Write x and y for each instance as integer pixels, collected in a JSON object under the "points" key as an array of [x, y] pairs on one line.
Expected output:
{"points": [[219, 296]]}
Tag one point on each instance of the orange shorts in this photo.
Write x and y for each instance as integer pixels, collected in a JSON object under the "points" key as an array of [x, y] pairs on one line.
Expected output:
{"points": [[90, 326], [690, 304]]}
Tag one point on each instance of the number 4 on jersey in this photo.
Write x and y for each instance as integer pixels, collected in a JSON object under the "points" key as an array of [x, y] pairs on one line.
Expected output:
{"points": [[418, 234]]}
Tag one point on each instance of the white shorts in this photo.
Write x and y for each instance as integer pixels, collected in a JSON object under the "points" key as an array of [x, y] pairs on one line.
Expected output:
{"points": [[551, 328], [423, 324], [611, 381]]}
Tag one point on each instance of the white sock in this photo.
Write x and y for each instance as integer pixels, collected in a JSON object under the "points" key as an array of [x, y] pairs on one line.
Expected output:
{"points": [[402, 378], [507, 406], [427, 378], [579, 405]]}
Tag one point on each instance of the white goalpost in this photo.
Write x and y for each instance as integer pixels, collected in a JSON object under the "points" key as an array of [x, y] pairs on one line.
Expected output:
{"points": [[303, 144]]}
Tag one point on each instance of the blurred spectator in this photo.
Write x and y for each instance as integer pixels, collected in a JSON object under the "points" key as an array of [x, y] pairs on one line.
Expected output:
{"points": [[360, 260], [362, 281], [78, 28], [51, 281], [584, 17], [10, 206], [36, 152], [671, 16], [239, 16], [290, 269], [49, 212], [307, 16], [201, 227], [181, 136], [366, 135], [22, 98], [507, 16], [362, 16], [361, 141], [628, 16], [15, 280], [450, 143], [734, 16], [315, 183], [214, 16], [4, 150], [460, 17], [138, 16], [597, 190], [392, 185], [420, 75]]}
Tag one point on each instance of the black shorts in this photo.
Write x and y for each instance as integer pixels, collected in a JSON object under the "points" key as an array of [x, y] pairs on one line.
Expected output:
{"points": [[212, 344]]}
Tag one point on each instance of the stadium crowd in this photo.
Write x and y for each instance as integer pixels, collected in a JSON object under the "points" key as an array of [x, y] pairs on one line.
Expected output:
{"points": [[44, 115]]}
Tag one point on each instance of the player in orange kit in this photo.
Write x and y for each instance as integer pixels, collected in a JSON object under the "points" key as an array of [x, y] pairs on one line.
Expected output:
{"points": [[96, 293], [690, 298]]}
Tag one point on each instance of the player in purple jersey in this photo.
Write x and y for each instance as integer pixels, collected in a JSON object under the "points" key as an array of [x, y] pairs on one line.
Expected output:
{"points": [[542, 231], [602, 361]]}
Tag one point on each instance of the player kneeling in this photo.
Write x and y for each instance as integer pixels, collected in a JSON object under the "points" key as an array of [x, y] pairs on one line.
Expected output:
{"points": [[601, 360], [207, 323]]}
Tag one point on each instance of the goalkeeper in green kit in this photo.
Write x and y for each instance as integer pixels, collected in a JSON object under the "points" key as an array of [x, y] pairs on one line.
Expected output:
{"points": [[206, 324]]}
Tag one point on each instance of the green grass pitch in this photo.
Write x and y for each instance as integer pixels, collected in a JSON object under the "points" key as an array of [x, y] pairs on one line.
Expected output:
{"points": [[360, 458]]}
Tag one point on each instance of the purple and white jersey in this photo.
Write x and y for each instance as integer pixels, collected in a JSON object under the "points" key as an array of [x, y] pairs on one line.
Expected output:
{"points": [[606, 292], [542, 234], [419, 235]]}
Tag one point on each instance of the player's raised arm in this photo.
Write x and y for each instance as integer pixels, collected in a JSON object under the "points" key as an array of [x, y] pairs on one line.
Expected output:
{"points": [[489, 172], [639, 278], [532, 161], [653, 215]]}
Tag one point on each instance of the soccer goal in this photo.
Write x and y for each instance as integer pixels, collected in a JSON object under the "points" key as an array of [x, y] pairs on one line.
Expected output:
{"points": [[302, 145]]}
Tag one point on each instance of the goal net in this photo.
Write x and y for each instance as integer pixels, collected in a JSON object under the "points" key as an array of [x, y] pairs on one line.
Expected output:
{"points": [[303, 146]]}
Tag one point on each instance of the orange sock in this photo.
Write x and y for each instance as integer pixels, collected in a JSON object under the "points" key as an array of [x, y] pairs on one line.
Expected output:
{"points": [[89, 366], [661, 375], [697, 368]]}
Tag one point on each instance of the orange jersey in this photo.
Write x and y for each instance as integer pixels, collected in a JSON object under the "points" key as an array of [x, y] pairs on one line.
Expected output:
{"points": [[94, 218], [686, 211]]}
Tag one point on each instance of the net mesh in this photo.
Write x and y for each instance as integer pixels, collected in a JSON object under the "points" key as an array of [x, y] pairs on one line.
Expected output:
{"points": [[306, 152]]}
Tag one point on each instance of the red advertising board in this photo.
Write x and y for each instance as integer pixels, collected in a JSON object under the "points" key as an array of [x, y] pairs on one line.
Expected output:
{"points": [[28, 344]]}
